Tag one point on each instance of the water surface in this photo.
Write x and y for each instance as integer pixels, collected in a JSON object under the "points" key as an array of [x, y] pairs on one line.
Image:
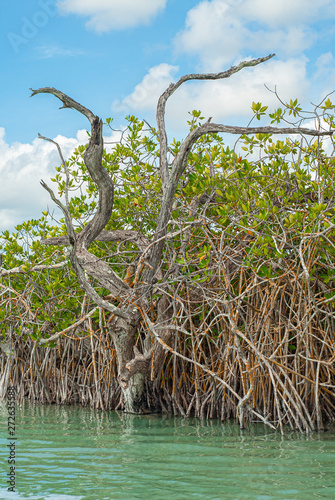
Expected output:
{"points": [[72, 453]]}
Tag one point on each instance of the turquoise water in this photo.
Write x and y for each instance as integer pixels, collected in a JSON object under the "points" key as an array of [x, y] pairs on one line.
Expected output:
{"points": [[72, 453]]}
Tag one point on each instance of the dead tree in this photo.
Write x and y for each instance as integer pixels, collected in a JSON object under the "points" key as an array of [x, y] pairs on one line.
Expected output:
{"points": [[133, 365]]}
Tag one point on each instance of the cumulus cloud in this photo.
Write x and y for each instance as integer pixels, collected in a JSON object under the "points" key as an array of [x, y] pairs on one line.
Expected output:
{"points": [[147, 92], [108, 15], [220, 31], [22, 166]]}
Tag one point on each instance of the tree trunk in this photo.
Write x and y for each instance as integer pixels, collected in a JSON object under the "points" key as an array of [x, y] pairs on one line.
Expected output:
{"points": [[133, 366]]}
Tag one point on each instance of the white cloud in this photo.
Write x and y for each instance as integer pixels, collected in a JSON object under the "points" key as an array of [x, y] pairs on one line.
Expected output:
{"points": [[324, 76], [324, 61], [147, 92], [285, 12], [108, 15], [22, 166], [220, 31], [48, 51]]}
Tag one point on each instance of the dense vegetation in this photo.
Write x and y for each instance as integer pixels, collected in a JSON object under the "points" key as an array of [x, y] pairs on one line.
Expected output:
{"points": [[247, 269]]}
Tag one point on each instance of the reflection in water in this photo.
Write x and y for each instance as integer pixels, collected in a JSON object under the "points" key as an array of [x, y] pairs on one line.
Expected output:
{"points": [[72, 453]]}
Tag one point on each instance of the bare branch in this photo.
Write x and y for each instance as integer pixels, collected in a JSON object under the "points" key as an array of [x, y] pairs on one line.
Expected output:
{"points": [[64, 166], [160, 116], [67, 101], [69, 328], [93, 162], [88, 288], [19, 270], [64, 209], [118, 235]]}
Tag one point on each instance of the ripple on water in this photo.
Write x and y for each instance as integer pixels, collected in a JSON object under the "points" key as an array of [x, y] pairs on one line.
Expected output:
{"points": [[72, 453]]}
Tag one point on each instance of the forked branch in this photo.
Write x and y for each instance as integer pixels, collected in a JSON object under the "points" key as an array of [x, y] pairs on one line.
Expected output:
{"points": [[160, 116]]}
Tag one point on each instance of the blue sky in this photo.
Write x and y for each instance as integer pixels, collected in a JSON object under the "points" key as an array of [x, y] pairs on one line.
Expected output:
{"points": [[116, 57]]}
